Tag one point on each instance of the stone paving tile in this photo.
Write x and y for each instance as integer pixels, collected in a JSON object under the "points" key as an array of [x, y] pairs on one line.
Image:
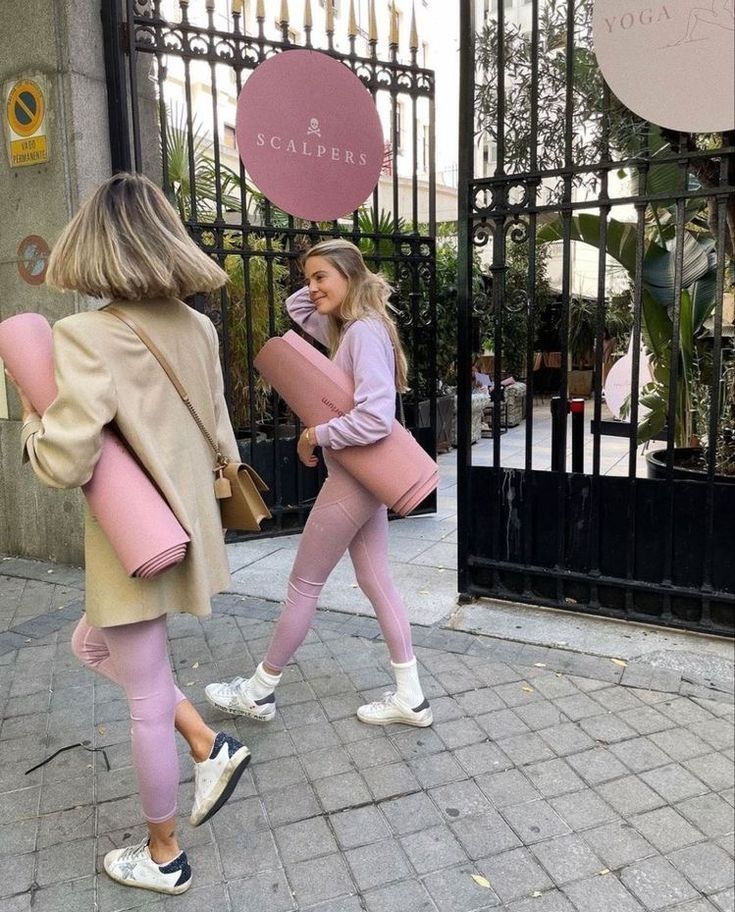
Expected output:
{"points": [[432, 849], [567, 858], [514, 874], [359, 826], [618, 844], [535, 821], [411, 813], [583, 810], [377, 864], [454, 890], [706, 866], [656, 883], [665, 829], [507, 788], [601, 894], [408, 896]]}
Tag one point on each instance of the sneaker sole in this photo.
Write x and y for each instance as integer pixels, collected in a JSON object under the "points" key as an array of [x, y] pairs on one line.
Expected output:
{"points": [[169, 891], [236, 765], [239, 712], [424, 722]]}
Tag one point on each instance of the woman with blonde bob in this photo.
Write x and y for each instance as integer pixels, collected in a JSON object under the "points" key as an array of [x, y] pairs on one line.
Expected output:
{"points": [[126, 245], [344, 306]]}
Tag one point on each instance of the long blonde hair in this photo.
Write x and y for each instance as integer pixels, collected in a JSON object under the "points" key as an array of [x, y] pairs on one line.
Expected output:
{"points": [[127, 242], [367, 296]]}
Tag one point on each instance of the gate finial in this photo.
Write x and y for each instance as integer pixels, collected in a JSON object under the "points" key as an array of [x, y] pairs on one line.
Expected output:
{"points": [[413, 41], [330, 16], [209, 6], [260, 11], [352, 27], [283, 21], [393, 39], [308, 22], [237, 7], [373, 25]]}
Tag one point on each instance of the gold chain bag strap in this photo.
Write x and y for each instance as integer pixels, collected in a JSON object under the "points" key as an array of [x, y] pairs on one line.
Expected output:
{"points": [[237, 486]]}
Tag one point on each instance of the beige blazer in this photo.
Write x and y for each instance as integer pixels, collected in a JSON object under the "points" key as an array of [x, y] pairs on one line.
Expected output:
{"points": [[104, 373]]}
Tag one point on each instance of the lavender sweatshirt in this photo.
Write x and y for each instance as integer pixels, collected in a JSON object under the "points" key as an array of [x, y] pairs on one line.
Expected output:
{"points": [[365, 353]]}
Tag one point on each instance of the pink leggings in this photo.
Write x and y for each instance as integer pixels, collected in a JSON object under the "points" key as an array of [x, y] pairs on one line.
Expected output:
{"points": [[344, 516], [135, 656]]}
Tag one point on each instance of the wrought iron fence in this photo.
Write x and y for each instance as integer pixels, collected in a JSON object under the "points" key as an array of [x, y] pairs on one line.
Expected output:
{"points": [[618, 532], [173, 68]]}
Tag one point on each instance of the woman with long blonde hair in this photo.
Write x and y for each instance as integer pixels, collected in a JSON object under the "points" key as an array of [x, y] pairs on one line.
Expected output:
{"points": [[344, 306], [127, 245]]}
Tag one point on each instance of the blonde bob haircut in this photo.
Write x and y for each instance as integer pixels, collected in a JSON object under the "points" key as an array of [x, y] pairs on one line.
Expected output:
{"points": [[127, 243], [367, 295]]}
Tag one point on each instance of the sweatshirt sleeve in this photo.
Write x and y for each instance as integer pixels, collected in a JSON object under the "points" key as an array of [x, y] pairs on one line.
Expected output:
{"points": [[225, 434], [373, 369], [301, 309], [64, 445]]}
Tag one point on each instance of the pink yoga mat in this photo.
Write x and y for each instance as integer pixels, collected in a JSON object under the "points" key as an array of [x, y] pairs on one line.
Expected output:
{"points": [[395, 469], [138, 522]]}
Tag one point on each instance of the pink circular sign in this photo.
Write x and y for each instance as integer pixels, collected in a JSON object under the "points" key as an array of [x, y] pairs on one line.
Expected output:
{"points": [[309, 135]]}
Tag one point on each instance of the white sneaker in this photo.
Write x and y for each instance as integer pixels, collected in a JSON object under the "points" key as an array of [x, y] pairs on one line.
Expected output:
{"points": [[216, 777], [232, 697], [392, 709], [134, 867]]}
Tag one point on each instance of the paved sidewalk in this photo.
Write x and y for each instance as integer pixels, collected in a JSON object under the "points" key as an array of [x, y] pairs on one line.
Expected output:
{"points": [[553, 780]]}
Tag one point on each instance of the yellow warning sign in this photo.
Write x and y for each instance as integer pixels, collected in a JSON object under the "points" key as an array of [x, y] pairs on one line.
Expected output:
{"points": [[25, 116]]}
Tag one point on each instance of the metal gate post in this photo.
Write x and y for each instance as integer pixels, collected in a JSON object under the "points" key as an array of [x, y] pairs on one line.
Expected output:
{"points": [[576, 407], [558, 437], [113, 27]]}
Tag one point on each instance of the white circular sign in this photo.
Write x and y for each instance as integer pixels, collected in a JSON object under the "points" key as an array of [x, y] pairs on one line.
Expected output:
{"points": [[673, 62]]}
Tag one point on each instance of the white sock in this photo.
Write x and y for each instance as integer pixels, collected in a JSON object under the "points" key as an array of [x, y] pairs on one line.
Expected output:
{"points": [[408, 688], [262, 684]]}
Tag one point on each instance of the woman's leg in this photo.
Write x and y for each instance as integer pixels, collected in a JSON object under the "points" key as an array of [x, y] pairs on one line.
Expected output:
{"points": [[340, 510], [369, 554], [138, 660], [90, 647]]}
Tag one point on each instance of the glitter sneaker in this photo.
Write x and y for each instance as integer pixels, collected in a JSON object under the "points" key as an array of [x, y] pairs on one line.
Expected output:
{"points": [[392, 709], [134, 867], [216, 777], [232, 697]]}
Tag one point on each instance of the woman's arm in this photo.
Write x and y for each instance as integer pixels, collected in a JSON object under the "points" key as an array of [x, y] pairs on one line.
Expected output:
{"points": [[301, 309], [373, 369], [63, 445]]}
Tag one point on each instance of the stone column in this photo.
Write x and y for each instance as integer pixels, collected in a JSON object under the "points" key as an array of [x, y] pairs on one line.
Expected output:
{"points": [[62, 41]]}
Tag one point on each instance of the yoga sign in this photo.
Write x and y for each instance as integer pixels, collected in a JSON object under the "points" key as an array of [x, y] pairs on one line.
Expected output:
{"points": [[670, 62], [309, 135]]}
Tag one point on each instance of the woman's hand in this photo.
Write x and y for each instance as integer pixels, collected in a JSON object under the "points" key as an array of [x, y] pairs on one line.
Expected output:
{"points": [[305, 448], [25, 404]]}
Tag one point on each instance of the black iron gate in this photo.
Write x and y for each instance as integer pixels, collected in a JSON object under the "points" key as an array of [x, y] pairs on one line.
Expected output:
{"points": [[171, 89], [585, 521]]}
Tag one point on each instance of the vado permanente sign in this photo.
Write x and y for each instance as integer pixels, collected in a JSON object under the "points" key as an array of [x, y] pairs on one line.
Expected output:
{"points": [[309, 135], [673, 62]]}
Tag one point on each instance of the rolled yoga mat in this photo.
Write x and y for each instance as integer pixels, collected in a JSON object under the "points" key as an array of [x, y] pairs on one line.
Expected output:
{"points": [[395, 469], [137, 521]]}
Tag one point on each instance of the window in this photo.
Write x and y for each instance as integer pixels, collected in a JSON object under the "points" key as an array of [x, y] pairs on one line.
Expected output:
{"points": [[425, 147], [230, 137]]}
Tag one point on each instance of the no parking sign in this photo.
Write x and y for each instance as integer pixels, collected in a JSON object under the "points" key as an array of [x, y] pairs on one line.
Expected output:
{"points": [[25, 121]]}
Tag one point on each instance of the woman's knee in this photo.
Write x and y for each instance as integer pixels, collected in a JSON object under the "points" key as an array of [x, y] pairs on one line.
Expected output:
{"points": [[88, 645]]}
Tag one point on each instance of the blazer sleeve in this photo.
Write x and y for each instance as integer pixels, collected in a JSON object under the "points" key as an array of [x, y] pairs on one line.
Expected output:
{"points": [[301, 309], [225, 434], [64, 445], [373, 371]]}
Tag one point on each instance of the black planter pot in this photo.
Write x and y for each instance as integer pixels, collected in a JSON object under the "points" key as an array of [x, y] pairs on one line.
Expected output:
{"points": [[656, 466]]}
